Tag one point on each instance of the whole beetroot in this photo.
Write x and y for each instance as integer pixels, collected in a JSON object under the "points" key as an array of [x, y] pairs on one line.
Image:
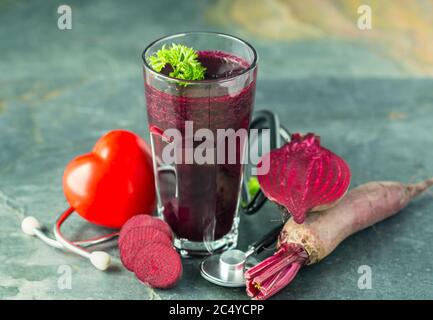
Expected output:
{"points": [[312, 241]]}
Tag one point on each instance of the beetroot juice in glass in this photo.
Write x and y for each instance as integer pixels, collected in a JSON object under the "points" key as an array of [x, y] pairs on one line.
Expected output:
{"points": [[200, 200]]}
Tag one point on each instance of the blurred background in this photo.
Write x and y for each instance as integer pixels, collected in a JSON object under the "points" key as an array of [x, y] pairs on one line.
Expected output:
{"points": [[368, 93]]}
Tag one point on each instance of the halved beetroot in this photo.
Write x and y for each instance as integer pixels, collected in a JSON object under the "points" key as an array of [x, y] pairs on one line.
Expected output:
{"points": [[142, 220], [158, 265], [303, 176], [135, 239]]}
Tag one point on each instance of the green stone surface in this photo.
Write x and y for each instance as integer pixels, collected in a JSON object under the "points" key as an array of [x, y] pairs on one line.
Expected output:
{"points": [[61, 90]]}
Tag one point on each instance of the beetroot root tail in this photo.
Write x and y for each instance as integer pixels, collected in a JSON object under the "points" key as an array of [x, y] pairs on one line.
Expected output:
{"points": [[416, 189]]}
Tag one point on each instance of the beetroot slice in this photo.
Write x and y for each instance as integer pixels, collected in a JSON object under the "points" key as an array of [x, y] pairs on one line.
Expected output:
{"points": [[144, 220], [161, 226], [137, 238], [158, 265], [133, 222], [136, 220]]}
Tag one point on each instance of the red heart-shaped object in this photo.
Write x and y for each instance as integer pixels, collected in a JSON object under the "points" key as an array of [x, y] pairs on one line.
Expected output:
{"points": [[113, 182]]}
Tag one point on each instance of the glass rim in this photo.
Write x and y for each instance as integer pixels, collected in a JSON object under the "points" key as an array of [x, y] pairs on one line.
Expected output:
{"points": [[252, 66]]}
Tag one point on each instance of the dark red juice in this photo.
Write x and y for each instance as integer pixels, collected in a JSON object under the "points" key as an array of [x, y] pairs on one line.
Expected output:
{"points": [[200, 201]]}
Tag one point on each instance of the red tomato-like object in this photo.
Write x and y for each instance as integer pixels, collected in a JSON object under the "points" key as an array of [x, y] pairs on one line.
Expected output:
{"points": [[113, 182]]}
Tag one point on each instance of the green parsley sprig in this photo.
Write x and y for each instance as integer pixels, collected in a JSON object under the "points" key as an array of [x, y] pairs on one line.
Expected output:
{"points": [[182, 60]]}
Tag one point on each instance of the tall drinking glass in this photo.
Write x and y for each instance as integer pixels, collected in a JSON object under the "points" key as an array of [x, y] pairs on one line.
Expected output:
{"points": [[199, 191]]}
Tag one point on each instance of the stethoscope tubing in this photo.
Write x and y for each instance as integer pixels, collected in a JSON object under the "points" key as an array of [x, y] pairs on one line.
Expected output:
{"points": [[263, 119], [55, 243], [77, 246]]}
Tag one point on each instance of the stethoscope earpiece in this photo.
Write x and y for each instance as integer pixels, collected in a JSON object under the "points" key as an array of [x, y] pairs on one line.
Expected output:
{"points": [[99, 259], [29, 225]]}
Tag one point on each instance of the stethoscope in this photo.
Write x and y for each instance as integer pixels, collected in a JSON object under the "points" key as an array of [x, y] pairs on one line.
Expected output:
{"points": [[225, 269], [99, 259]]}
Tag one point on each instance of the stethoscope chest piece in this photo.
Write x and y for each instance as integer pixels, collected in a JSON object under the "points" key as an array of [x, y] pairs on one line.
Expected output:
{"points": [[227, 269]]}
